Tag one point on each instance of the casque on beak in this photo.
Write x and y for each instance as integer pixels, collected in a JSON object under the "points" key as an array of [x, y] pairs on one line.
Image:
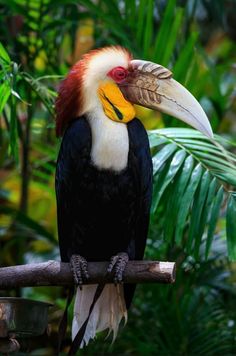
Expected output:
{"points": [[151, 85]]}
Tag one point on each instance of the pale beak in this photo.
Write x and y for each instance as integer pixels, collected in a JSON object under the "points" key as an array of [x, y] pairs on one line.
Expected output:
{"points": [[151, 85]]}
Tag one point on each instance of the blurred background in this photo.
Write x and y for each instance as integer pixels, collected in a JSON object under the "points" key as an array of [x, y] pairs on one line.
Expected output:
{"points": [[40, 40]]}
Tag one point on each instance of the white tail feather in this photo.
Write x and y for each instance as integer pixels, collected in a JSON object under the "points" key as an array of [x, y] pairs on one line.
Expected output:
{"points": [[107, 313]]}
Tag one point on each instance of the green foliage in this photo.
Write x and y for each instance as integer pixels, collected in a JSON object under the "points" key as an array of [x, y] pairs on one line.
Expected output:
{"points": [[5, 59], [194, 205], [190, 172], [8, 77], [231, 226]]}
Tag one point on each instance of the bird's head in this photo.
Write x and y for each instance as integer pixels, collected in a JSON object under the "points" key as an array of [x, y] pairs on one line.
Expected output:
{"points": [[111, 79]]}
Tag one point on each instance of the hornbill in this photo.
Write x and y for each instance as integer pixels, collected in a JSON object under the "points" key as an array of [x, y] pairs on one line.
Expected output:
{"points": [[104, 171]]}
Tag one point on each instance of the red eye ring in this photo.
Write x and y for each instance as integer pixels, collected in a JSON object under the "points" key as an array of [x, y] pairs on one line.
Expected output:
{"points": [[118, 74]]}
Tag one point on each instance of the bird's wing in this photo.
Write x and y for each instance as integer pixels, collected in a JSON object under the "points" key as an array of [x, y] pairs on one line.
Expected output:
{"points": [[74, 152], [141, 163]]}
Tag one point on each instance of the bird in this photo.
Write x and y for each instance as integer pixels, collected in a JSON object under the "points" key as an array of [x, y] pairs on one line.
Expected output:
{"points": [[104, 172]]}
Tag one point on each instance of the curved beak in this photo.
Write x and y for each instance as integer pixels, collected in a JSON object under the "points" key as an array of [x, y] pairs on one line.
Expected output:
{"points": [[151, 85]]}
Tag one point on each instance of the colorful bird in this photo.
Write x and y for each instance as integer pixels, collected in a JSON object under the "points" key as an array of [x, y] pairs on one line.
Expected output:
{"points": [[104, 172]]}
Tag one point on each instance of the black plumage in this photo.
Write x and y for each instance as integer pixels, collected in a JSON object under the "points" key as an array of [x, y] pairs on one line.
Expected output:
{"points": [[101, 212]]}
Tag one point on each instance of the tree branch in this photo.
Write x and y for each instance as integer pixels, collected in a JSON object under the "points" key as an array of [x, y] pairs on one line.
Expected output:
{"points": [[54, 273]]}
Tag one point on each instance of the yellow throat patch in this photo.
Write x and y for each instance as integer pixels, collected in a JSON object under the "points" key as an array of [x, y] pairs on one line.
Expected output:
{"points": [[115, 106]]}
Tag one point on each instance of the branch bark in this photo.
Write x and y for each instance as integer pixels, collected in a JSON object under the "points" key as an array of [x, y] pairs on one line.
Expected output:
{"points": [[54, 273]]}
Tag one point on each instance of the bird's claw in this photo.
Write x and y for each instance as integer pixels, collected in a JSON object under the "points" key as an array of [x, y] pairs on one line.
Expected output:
{"points": [[117, 265], [79, 268]]}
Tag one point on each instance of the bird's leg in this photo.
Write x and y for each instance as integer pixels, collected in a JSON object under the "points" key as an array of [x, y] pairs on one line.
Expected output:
{"points": [[118, 264], [79, 268]]}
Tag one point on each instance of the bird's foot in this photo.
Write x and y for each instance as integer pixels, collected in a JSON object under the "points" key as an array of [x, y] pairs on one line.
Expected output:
{"points": [[79, 268], [117, 265]]}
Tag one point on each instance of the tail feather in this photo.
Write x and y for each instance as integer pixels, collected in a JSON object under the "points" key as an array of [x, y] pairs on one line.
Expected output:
{"points": [[108, 311]]}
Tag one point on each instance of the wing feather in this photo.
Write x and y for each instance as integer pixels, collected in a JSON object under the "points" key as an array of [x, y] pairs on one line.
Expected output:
{"points": [[74, 154]]}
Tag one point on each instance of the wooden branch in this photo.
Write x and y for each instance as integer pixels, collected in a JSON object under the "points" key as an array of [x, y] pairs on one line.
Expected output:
{"points": [[53, 273]]}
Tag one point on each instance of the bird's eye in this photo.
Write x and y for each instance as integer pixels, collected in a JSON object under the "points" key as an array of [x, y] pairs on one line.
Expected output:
{"points": [[118, 74]]}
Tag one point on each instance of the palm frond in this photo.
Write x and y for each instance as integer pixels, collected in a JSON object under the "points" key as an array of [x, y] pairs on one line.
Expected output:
{"points": [[231, 226], [193, 176]]}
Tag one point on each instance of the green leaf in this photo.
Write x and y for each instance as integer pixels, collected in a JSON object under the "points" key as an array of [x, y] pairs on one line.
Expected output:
{"points": [[198, 207], [161, 156], [205, 213], [174, 166], [187, 201], [180, 69], [148, 28], [158, 180], [130, 12], [176, 197], [141, 20], [5, 91], [214, 212], [202, 146], [231, 227], [164, 30], [155, 140], [228, 177], [214, 160], [171, 43], [13, 126], [4, 55], [178, 133]]}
